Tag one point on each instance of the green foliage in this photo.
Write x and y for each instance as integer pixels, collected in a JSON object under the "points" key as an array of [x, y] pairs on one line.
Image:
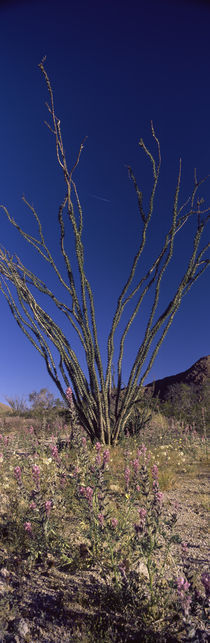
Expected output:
{"points": [[188, 403], [92, 395]]}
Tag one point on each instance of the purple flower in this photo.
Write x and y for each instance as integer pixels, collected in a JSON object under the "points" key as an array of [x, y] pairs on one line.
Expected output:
{"points": [[98, 460], [98, 446], [32, 505], [142, 513], [159, 497], [205, 579], [114, 522], [69, 396], [101, 519], [28, 528], [36, 474], [136, 465], [17, 472], [155, 472], [106, 457], [48, 507]]}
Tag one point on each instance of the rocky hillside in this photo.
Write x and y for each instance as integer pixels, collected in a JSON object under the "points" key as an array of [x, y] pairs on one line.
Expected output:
{"points": [[197, 375]]}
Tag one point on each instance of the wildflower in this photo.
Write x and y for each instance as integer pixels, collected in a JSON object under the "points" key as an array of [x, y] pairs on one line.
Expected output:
{"points": [[101, 519], [89, 495], [31, 430], [205, 579], [114, 522], [6, 440], [98, 446], [159, 497], [98, 459], [54, 451], [106, 457], [28, 528], [183, 587], [36, 474], [32, 505], [155, 472], [1, 436], [142, 513], [136, 465], [184, 547], [138, 488], [127, 477], [76, 471], [17, 472], [69, 396], [84, 441], [48, 506]]}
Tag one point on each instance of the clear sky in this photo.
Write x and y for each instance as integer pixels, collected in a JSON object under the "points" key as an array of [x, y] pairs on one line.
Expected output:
{"points": [[114, 66]]}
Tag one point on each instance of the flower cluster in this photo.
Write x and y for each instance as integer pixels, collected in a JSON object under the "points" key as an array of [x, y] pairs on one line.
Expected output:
{"points": [[183, 593]]}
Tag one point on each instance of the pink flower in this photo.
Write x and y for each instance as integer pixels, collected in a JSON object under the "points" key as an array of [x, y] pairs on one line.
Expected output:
{"points": [[17, 472], [6, 440], [32, 505], [54, 451], [114, 522], [84, 441], [106, 457], [184, 547], [136, 465], [155, 472], [69, 396], [27, 527], [142, 513], [101, 519], [138, 488], [48, 506], [1, 436], [36, 474], [98, 460], [31, 430], [159, 497], [205, 579], [98, 446]]}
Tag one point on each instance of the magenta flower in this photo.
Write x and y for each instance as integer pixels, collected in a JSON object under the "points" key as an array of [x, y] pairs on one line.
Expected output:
{"points": [[17, 472], [48, 507], [114, 522], [98, 446], [28, 528], [138, 488], [101, 519]]}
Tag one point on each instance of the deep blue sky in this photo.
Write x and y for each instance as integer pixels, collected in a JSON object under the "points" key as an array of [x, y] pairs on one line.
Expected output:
{"points": [[114, 66]]}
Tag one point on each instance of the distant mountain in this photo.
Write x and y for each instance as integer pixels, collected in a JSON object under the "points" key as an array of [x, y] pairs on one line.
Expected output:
{"points": [[197, 375]]}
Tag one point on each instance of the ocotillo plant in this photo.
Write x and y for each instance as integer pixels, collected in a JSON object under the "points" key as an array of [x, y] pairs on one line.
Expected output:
{"points": [[102, 417]]}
